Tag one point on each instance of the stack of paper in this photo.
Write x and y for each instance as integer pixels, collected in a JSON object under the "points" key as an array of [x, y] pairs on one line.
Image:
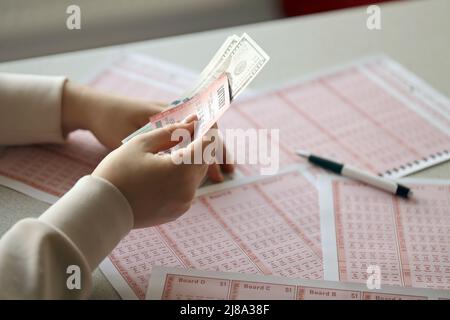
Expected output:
{"points": [[373, 114]]}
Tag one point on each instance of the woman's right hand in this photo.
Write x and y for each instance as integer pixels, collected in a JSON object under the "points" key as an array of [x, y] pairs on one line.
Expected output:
{"points": [[157, 189]]}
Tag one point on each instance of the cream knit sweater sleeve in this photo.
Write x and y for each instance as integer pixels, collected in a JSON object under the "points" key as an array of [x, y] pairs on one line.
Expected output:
{"points": [[38, 257]]}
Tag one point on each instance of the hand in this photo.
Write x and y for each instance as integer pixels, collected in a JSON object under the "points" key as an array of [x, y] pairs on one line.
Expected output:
{"points": [[215, 170], [157, 189], [110, 118]]}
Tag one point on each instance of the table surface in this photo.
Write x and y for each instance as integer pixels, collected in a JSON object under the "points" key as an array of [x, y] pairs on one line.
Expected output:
{"points": [[414, 33]]}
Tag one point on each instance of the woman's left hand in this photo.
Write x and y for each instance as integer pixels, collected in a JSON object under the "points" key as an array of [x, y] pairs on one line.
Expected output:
{"points": [[109, 117]]}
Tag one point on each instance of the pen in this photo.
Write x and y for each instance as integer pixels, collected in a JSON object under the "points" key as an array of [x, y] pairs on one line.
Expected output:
{"points": [[357, 174]]}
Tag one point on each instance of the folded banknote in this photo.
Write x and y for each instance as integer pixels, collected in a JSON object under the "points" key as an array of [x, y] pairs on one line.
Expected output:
{"points": [[230, 71]]}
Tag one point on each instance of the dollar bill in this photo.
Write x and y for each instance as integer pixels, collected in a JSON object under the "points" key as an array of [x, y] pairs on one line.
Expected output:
{"points": [[239, 60], [226, 47], [224, 50]]}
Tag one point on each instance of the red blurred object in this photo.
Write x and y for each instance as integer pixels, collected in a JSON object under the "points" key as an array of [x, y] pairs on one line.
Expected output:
{"points": [[300, 7]]}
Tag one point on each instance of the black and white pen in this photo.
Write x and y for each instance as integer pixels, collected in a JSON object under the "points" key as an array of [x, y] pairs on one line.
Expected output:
{"points": [[357, 174]]}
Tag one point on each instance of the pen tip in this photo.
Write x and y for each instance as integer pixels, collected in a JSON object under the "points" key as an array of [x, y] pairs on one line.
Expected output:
{"points": [[303, 153]]}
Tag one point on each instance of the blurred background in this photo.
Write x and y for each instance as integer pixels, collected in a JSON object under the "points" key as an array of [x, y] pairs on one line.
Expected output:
{"points": [[38, 27]]}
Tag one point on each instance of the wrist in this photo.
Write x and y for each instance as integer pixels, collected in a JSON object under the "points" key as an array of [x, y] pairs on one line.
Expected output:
{"points": [[74, 108]]}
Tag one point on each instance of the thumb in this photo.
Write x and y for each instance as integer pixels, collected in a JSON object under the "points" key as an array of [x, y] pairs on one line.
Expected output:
{"points": [[167, 137]]}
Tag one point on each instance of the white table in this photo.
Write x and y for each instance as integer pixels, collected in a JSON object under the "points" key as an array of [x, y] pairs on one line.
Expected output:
{"points": [[415, 33]]}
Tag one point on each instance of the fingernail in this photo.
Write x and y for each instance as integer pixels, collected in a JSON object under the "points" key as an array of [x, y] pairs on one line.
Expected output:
{"points": [[189, 118]]}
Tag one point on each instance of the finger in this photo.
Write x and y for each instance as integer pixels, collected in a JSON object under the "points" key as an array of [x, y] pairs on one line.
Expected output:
{"points": [[214, 173], [159, 104], [190, 118], [195, 153], [145, 110], [227, 165], [192, 154], [164, 138], [199, 145]]}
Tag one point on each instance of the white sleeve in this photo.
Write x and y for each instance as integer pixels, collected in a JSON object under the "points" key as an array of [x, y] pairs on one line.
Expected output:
{"points": [[30, 109], [79, 230]]}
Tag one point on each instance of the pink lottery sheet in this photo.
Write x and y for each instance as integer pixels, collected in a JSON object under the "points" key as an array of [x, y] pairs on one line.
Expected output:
{"points": [[176, 284], [407, 239], [373, 114], [259, 225]]}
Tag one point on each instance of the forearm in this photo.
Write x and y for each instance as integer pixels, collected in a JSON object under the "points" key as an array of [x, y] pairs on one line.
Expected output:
{"points": [[43, 109], [75, 107], [39, 109], [79, 230], [30, 109], [34, 259]]}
